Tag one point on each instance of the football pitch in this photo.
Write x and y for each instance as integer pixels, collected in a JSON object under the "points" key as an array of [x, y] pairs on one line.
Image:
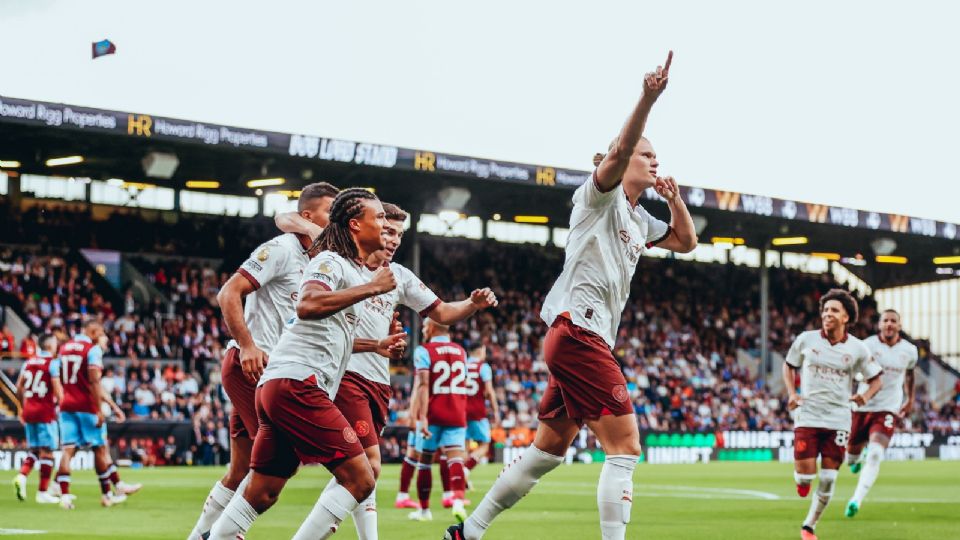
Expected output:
{"points": [[742, 501]]}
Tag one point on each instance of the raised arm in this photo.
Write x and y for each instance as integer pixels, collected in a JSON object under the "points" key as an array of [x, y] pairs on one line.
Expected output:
{"points": [[292, 222], [683, 235], [318, 301], [448, 313], [613, 165]]}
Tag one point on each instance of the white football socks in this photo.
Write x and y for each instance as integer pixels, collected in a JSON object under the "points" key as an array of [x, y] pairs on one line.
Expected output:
{"points": [[803, 479], [870, 471], [235, 521], [615, 495], [828, 480], [515, 481], [217, 500], [365, 518], [332, 508]]}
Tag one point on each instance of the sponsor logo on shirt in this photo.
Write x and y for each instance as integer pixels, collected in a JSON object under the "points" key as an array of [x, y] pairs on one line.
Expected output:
{"points": [[253, 265]]}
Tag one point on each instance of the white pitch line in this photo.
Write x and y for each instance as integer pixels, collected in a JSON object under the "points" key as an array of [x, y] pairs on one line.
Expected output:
{"points": [[11, 532]]}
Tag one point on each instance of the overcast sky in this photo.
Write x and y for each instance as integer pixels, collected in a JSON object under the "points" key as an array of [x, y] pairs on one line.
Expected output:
{"points": [[848, 103]]}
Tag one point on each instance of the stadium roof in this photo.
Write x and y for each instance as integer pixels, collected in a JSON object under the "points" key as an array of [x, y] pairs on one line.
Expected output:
{"points": [[114, 143]]}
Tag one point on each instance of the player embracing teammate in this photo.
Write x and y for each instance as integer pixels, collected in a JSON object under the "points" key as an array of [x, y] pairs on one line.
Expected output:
{"points": [[827, 360], [609, 231]]}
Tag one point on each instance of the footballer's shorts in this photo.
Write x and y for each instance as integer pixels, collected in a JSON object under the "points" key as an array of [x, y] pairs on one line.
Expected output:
{"points": [[478, 430], [866, 424], [299, 424], [585, 380], [365, 404], [242, 394], [444, 436], [80, 429], [43, 435], [809, 442]]}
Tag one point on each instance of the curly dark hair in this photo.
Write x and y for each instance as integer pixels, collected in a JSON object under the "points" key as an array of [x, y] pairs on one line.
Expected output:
{"points": [[846, 299], [336, 237]]}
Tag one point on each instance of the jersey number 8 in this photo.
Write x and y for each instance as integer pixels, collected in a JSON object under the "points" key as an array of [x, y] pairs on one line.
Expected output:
{"points": [[444, 383]]}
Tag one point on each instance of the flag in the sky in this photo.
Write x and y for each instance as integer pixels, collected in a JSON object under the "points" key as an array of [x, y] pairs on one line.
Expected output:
{"points": [[103, 48]]}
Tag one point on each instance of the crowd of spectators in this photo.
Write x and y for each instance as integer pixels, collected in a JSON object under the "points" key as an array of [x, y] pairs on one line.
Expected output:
{"points": [[685, 342]]}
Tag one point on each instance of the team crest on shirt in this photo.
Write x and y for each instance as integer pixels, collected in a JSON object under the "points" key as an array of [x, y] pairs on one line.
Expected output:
{"points": [[294, 295], [362, 428], [847, 359], [350, 435], [264, 254]]}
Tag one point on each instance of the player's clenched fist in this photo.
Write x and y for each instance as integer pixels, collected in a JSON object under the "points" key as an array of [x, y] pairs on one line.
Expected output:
{"points": [[794, 402], [252, 362], [383, 280], [484, 298]]}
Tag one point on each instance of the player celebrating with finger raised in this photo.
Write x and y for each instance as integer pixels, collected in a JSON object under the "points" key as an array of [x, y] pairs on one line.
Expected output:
{"points": [[298, 422], [827, 360], [876, 420], [609, 230]]}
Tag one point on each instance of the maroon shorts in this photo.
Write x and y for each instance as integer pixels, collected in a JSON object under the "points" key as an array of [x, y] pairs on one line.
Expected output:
{"points": [[868, 423], [812, 442], [365, 404], [585, 380], [299, 424], [242, 393]]}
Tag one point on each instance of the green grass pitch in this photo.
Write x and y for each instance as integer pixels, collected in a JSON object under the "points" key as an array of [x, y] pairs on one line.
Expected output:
{"points": [[737, 501]]}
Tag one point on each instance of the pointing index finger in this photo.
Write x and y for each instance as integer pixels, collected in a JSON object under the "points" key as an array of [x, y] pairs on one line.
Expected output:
{"points": [[666, 67]]}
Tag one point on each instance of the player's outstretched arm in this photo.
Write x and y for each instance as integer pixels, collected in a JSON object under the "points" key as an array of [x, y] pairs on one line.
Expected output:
{"points": [[318, 301], [683, 234], [613, 165], [292, 222], [252, 359], [448, 313]]}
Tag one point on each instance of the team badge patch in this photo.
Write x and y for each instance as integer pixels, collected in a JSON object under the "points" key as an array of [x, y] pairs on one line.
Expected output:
{"points": [[362, 428], [620, 392], [325, 268], [263, 255], [801, 446], [350, 435]]}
